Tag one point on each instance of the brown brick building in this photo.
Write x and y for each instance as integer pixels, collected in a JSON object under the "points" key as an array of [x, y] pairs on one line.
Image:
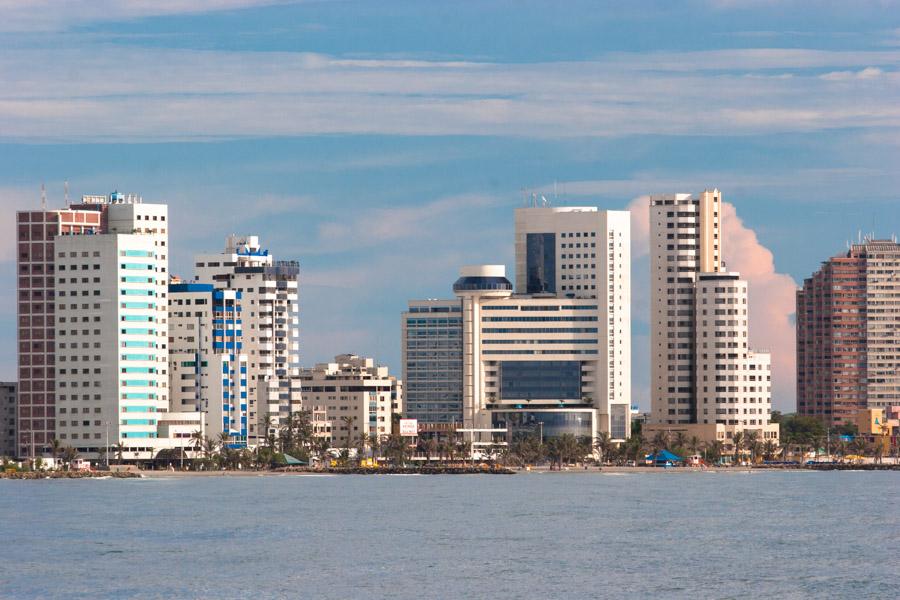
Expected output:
{"points": [[36, 231], [848, 334]]}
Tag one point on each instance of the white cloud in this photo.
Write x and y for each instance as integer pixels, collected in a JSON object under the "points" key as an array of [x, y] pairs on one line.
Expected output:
{"points": [[867, 73], [57, 15], [185, 94]]}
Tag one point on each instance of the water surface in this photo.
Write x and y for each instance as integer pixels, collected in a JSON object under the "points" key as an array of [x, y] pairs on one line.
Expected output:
{"points": [[573, 535]]}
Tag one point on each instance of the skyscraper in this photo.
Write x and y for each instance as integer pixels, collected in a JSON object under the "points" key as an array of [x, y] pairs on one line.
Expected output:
{"points": [[431, 339], [706, 380], [207, 365], [555, 355], [848, 318], [111, 330], [36, 233], [270, 324], [684, 242]]}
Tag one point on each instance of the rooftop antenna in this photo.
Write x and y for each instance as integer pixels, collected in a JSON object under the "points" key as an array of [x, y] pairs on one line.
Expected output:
{"points": [[43, 198], [67, 194], [555, 191]]}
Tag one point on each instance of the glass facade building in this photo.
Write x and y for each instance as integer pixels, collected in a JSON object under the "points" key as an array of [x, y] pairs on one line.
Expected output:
{"points": [[551, 380], [540, 263], [432, 361]]}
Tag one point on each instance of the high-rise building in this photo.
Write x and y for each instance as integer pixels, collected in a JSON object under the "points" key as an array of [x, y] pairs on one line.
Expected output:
{"points": [[353, 396], [534, 361], [583, 252], [36, 232], [705, 378], [431, 338], [111, 330], [554, 356], [207, 366], [270, 316], [8, 419], [848, 316]]}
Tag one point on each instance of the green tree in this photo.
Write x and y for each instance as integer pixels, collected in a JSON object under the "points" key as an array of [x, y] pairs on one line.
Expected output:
{"points": [[55, 451], [69, 454], [603, 445], [660, 441]]}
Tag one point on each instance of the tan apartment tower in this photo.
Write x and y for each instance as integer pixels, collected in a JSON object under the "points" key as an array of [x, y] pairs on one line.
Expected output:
{"points": [[706, 381], [685, 241]]}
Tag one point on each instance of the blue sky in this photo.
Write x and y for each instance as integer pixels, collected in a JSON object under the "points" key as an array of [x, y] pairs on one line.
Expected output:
{"points": [[383, 144]]}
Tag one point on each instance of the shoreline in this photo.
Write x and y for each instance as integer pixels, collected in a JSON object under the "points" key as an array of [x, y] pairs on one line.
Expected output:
{"points": [[457, 470]]}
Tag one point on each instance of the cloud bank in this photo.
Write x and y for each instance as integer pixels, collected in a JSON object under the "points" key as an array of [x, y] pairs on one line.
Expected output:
{"points": [[80, 94]]}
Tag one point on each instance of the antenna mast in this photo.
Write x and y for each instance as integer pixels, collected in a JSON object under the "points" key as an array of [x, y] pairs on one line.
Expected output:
{"points": [[67, 194], [43, 198]]}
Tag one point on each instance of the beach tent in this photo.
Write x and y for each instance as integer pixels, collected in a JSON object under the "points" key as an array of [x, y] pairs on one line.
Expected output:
{"points": [[294, 462], [662, 457]]}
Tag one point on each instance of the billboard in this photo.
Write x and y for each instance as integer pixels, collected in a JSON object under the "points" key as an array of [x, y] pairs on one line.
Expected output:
{"points": [[409, 427]]}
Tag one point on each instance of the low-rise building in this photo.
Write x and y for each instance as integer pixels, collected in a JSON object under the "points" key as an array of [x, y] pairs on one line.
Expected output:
{"points": [[356, 396]]}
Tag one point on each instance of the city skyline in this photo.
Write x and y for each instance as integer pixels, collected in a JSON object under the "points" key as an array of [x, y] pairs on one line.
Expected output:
{"points": [[359, 201]]}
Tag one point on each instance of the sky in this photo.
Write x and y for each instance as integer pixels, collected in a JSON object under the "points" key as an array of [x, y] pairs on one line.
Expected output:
{"points": [[384, 144]]}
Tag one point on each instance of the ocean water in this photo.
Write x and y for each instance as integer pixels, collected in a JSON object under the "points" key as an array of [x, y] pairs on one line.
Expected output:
{"points": [[550, 535]]}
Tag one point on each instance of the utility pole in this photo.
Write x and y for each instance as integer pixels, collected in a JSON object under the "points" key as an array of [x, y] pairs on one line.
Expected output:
{"points": [[107, 445]]}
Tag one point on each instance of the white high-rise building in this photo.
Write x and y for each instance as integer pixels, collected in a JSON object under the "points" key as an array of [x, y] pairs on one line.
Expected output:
{"points": [[705, 381], [207, 365], [555, 356], [112, 330], [583, 252], [270, 315], [534, 361]]}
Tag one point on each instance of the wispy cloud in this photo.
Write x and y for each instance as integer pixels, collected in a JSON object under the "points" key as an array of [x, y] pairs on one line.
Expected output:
{"points": [[87, 95], [867, 73], [56, 15]]}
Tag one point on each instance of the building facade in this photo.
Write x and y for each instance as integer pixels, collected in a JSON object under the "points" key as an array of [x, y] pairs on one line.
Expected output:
{"points": [[705, 380], [585, 253], [270, 326], [431, 338], [8, 425], [36, 233], [848, 314], [111, 331], [553, 355], [352, 397], [207, 366]]}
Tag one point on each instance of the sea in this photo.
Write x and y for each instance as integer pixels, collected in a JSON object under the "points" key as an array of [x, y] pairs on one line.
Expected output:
{"points": [[662, 534]]}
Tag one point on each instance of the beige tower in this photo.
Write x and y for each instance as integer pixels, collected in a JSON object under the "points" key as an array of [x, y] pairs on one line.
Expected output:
{"points": [[685, 240]]}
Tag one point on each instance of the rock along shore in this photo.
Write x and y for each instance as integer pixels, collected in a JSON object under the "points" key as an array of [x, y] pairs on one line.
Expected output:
{"points": [[68, 474]]}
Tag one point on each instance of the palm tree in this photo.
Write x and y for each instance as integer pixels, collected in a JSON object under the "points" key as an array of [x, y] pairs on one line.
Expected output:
{"points": [[120, 452], [770, 449], [694, 444], [738, 442], [680, 442], [660, 441], [752, 443], [209, 448], [68, 455], [431, 448], [603, 445], [713, 450], [348, 422], [55, 450], [860, 446], [196, 442]]}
